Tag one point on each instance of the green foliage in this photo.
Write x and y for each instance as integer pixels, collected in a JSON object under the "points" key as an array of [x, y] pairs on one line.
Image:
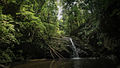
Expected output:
{"points": [[26, 24], [6, 56], [7, 38], [74, 15], [50, 29], [7, 30]]}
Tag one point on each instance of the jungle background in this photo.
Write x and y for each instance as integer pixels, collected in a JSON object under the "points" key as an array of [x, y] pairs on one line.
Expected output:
{"points": [[30, 29]]}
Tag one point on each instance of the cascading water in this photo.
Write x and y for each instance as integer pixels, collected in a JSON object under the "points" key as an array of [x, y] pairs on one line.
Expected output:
{"points": [[60, 8], [75, 52]]}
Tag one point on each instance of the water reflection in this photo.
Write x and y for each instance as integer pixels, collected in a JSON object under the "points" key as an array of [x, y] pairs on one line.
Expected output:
{"points": [[68, 63]]}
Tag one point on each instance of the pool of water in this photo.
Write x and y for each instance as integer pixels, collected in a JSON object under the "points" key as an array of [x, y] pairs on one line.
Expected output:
{"points": [[68, 63]]}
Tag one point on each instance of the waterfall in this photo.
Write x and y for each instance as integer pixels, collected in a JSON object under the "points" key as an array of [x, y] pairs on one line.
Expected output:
{"points": [[75, 52], [60, 9]]}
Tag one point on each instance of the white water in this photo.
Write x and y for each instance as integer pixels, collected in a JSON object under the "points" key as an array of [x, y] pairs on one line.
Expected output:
{"points": [[60, 8], [75, 52]]}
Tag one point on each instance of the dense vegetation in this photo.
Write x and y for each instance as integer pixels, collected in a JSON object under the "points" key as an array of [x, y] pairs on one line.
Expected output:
{"points": [[31, 29]]}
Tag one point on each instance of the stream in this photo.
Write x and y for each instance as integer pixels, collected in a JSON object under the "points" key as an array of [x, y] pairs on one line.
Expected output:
{"points": [[68, 63]]}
